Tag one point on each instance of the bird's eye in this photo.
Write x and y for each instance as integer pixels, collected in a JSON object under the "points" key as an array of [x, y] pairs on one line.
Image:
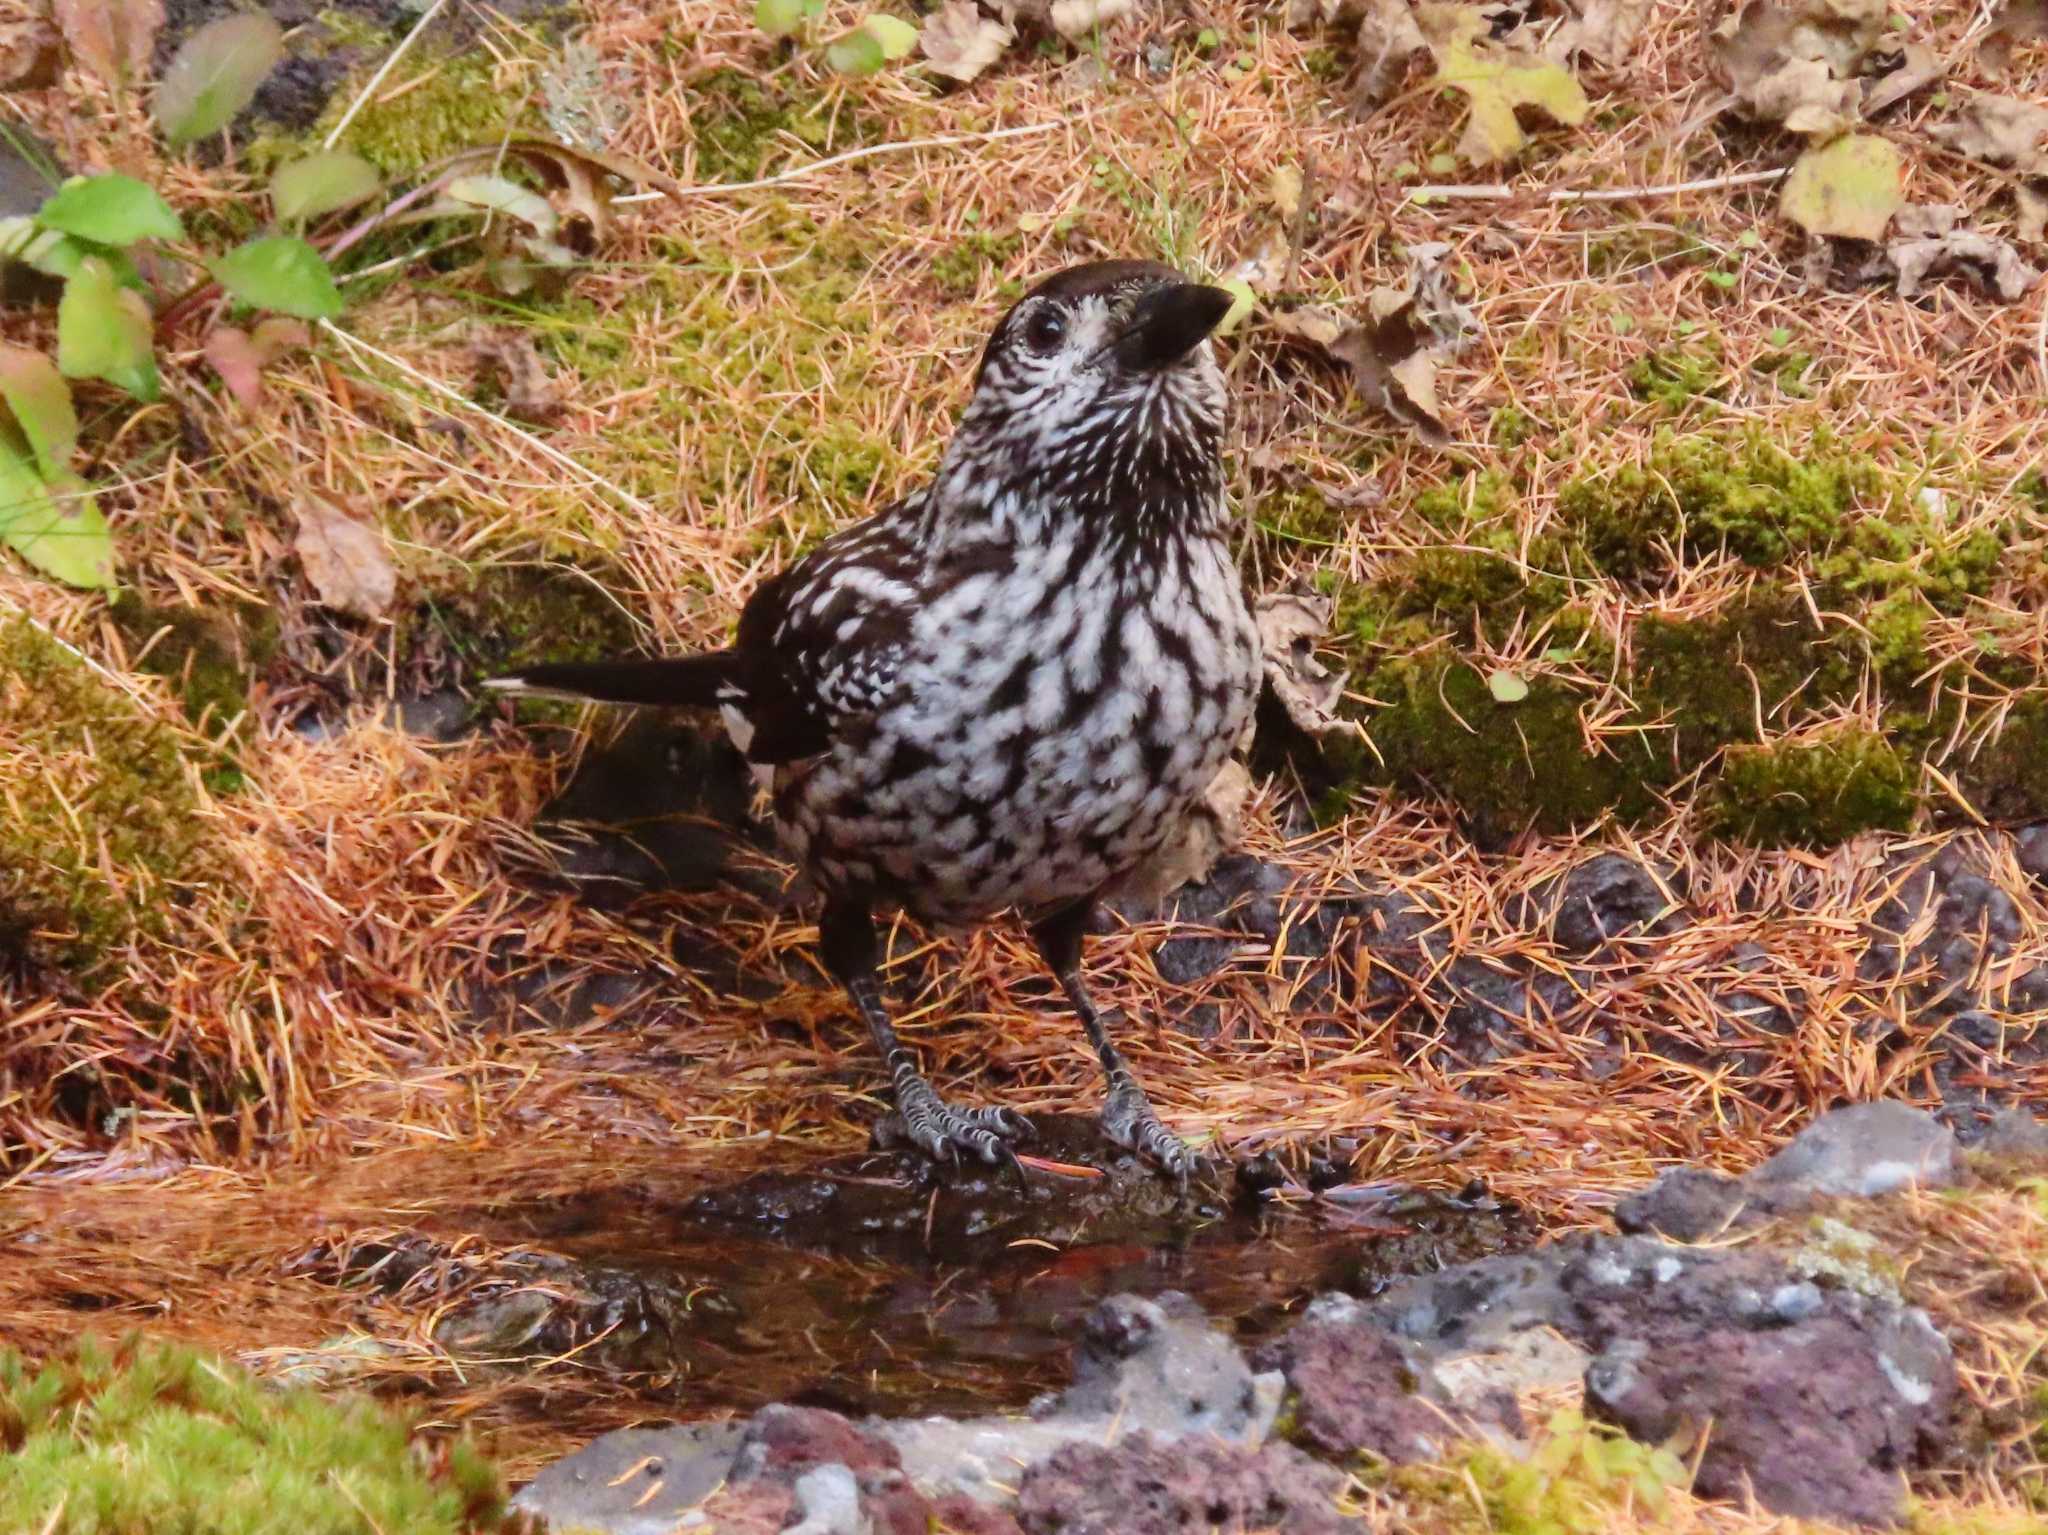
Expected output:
{"points": [[1045, 330]]}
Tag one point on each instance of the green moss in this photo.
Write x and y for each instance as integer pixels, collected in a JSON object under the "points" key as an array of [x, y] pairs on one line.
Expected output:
{"points": [[158, 1438], [463, 104], [1673, 377], [504, 617], [1459, 505], [1506, 767], [1698, 687], [102, 836], [1484, 587], [1702, 685], [210, 656], [1299, 514], [737, 119], [1511, 426], [1750, 497], [1812, 792], [741, 389], [1581, 1476], [957, 270]]}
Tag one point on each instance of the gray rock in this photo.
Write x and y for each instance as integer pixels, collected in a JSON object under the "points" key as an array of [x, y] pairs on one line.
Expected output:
{"points": [[1862, 1151], [1609, 896], [2015, 1136], [1153, 1366], [828, 1498], [1687, 1203], [606, 1484]]}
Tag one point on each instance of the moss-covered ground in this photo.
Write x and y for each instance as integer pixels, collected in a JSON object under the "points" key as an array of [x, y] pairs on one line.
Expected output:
{"points": [[140, 1436], [1731, 571]]}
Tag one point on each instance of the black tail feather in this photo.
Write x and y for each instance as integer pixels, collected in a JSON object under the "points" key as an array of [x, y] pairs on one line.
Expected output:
{"points": [[683, 682]]}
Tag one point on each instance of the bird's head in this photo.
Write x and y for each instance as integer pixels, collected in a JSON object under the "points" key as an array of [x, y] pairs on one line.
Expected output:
{"points": [[1100, 384]]}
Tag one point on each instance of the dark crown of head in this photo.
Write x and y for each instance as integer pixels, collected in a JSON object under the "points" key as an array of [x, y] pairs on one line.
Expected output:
{"points": [[1055, 414]]}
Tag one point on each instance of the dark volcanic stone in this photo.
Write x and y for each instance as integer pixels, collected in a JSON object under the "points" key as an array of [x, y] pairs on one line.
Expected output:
{"points": [[1357, 1388], [1815, 1420], [1140, 1486], [2032, 851], [1686, 1204], [782, 1443], [2015, 1136], [1607, 897]]}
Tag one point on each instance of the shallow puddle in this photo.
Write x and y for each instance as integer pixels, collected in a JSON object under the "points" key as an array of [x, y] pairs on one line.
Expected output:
{"points": [[869, 1286]]}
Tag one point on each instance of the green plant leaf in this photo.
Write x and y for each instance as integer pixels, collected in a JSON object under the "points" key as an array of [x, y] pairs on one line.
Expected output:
{"points": [[779, 18], [216, 74], [53, 524], [508, 197], [1242, 301], [858, 53], [1849, 189], [103, 331], [895, 35], [321, 183], [1499, 83], [280, 272], [41, 401], [110, 210], [1506, 687]]}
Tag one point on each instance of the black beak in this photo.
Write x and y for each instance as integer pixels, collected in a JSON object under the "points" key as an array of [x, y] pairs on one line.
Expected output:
{"points": [[1169, 323]]}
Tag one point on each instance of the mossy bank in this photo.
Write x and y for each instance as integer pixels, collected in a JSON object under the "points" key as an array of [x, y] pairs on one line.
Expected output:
{"points": [[1797, 644]]}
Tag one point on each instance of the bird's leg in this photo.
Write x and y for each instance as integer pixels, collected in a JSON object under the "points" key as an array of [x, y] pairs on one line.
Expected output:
{"points": [[846, 942], [1127, 1114]]}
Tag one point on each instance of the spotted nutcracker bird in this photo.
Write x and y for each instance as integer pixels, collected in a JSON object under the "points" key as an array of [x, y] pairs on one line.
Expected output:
{"points": [[1005, 691]]}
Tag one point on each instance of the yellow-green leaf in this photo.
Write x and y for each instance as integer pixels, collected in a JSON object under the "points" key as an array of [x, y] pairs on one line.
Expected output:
{"points": [[895, 35], [857, 53], [103, 331], [1506, 687], [321, 183], [1849, 189], [216, 74], [41, 402], [53, 524], [499, 195], [1496, 84]]}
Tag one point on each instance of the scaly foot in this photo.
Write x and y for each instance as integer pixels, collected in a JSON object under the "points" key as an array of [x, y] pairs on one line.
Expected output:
{"points": [[942, 1131], [1129, 1120]]}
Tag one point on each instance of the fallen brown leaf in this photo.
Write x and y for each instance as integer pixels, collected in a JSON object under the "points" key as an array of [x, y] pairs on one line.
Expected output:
{"points": [[112, 38], [1931, 246], [1793, 62], [29, 53], [959, 40], [1291, 624], [348, 561], [240, 357], [1604, 31], [530, 393], [1393, 356], [1900, 69]]}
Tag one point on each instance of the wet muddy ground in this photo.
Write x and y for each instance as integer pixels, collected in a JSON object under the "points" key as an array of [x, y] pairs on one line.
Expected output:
{"points": [[542, 1303]]}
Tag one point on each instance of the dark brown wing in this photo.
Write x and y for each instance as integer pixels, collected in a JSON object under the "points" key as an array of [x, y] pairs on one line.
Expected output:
{"points": [[820, 646]]}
